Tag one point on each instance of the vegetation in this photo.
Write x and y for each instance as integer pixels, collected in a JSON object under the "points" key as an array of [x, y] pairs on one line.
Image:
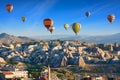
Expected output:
{"points": [[60, 75], [35, 69], [13, 62], [64, 74]]}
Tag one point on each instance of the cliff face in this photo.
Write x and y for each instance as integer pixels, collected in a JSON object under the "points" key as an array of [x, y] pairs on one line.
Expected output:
{"points": [[81, 62]]}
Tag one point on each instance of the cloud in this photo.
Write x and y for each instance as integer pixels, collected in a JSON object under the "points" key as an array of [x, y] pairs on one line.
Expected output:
{"points": [[41, 7]]}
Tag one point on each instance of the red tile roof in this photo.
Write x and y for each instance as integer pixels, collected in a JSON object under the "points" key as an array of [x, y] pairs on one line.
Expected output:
{"points": [[7, 73]]}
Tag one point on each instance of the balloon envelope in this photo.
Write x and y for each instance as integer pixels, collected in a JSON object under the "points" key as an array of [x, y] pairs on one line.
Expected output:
{"points": [[66, 26], [23, 19], [111, 18], [48, 23], [76, 27], [9, 7], [87, 14]]}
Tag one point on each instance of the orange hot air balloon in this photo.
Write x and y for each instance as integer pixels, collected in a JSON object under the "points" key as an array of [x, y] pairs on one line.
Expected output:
{"points": [[48, 23], [9, 7], [111, 18]]}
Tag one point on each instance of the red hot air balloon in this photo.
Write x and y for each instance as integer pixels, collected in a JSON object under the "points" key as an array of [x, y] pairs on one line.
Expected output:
{"points": [[9, 7], [48, 23], [51, 29], [111, 18]]}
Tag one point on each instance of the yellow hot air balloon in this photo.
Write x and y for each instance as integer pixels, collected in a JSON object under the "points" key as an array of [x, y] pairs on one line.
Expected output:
{"points": [[66, 26], [76, 27], [23, 19]]}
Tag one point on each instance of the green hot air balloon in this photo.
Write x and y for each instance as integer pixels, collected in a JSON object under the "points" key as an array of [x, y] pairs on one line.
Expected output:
{"points": [[76, 28], [23, 19]]}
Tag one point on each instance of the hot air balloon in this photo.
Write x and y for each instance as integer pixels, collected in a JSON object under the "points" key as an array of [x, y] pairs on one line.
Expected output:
{"points": [[66, 26], [23, 19], [87, 14], [76, 27], [48, 23], [9, 7], [51, 29], [37, 25], [111, 18]]}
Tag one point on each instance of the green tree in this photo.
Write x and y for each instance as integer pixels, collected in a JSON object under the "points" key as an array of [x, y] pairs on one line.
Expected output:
{"points": [[60, 75]]}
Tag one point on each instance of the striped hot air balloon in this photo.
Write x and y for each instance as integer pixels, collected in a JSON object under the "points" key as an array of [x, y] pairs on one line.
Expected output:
{"points": [[48, 23]]}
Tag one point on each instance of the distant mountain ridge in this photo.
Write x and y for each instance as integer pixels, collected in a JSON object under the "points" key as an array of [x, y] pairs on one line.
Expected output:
{"points": [[6, 38], [103, 39], [96, 39]]}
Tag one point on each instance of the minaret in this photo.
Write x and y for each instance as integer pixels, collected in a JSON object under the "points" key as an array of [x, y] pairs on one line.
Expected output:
{"points": [[111, 48], [49, 77]]}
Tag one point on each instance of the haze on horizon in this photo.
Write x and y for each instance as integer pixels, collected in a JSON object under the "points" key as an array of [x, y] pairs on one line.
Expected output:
{"points": [[61, 11]]}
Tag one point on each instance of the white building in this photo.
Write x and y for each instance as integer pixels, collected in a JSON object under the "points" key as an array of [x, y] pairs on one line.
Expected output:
{"points": [[15, 74]]}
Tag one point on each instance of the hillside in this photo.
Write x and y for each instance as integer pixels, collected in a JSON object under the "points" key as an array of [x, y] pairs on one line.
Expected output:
{"points": [[6, 38]]}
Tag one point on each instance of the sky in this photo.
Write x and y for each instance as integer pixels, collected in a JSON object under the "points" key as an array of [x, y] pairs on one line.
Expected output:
{"points": [[61, 12]]}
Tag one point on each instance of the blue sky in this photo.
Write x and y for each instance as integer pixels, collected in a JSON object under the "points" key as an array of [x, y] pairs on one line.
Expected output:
{"points": [[61, 11]]}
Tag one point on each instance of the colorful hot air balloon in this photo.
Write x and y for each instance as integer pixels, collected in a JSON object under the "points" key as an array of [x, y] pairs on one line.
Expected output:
{"points": [[111, 18], [76, 27], [48, 23], [66, 26], [87, 14], [23, 19], [9, 7], [51, 29]]}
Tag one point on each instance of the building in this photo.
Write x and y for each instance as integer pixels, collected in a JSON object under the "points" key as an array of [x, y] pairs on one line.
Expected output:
{"points": [[48, 75], [22, 75]]}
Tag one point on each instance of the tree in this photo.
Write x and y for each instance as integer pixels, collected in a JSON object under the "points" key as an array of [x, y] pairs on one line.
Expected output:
{"points": [[60, 75]]}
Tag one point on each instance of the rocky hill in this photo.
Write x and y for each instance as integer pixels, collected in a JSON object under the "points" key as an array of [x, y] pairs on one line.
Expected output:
{"points": [[6, 38], [60, 53]]}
